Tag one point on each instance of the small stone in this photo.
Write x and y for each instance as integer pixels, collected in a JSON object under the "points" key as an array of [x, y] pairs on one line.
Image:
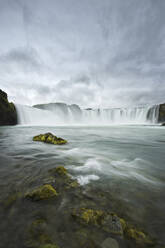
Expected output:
{"points": [[110, 243]]}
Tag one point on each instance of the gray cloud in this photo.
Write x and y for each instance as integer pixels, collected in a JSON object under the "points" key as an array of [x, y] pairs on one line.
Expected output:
{"points": [[93, 53]]}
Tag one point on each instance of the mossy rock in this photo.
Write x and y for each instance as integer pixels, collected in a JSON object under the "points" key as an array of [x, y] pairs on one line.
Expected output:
{"points": [[88, 216], [137, 235], [60, 170], [134, 234], [8, 113], [109, 222], [42, 193], [50, 139]]}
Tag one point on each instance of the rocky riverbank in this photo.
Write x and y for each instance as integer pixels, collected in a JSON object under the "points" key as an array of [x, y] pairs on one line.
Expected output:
{"points": [[8, 114]]}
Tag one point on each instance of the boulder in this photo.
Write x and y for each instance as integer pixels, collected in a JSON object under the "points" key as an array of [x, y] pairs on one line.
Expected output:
{"points": [[49, 138], [8, 114]]}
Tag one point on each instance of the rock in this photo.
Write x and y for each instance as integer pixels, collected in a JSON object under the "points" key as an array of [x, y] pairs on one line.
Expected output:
{"points": [[49, 138], [112, 224], [42, 193], [88, 216], [109, 222], [60, 170], [163, 124], [134, 234], [138, 236], [63, 179], [110, 243], [161, 117], [8, 114]]}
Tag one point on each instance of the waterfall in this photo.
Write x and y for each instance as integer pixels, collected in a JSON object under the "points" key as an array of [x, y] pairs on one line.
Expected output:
{"points": [[63, 114]]}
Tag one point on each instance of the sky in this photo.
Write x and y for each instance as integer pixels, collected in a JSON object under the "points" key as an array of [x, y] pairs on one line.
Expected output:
{"points": [[94, 53]]}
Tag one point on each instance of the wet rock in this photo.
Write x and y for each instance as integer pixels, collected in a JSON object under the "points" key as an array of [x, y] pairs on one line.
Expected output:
{"points": [[42, 193], [63, 179], [88, 216], [134, 234], [161, 117], [50, 139], [110, 243], [60, 170], [138, 236], [8, 114], [163, 124], [109, 222]]}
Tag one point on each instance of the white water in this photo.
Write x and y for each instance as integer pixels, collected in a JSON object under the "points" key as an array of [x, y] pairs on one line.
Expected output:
{"points": [[70, 115]]}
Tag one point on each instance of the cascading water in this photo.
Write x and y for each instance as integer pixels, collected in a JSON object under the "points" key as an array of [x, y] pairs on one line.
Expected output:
{"points": [[62, 114]]}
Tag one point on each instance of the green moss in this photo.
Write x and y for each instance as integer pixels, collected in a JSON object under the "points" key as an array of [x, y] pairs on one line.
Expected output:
{"points": [[123, 224], [138, 236], [50, 139], [89, 216], [60, 170], [42, 193]]}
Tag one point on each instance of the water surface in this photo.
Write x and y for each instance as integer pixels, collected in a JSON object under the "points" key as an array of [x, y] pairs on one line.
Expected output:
{"points": [[128, 162]]}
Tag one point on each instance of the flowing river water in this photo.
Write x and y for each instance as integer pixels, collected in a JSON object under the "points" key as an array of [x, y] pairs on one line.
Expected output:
{"points": [[128, 161]]}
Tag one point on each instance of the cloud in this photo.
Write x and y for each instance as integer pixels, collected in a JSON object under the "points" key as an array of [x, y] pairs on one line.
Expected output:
{"points": [[93, 53], [22, 57]]}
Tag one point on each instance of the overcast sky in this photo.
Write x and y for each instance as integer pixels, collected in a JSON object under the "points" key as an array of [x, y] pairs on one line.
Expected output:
{"points": [[95, 53]]}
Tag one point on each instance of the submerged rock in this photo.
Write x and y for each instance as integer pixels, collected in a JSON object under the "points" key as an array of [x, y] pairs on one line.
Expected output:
{"points": [[42, 193], [49, 138], [135, 234], [109, 222], [110, 243], [60, 170], [63, 179], [8, 114], [138, 236]]}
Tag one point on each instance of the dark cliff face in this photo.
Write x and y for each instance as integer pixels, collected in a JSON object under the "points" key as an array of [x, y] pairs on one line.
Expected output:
{"points": [[161, 117], [8, 114]]}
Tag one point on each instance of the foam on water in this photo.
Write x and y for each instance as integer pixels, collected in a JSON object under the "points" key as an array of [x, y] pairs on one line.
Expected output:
{"points": [[90, 165], [83, 180]]}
